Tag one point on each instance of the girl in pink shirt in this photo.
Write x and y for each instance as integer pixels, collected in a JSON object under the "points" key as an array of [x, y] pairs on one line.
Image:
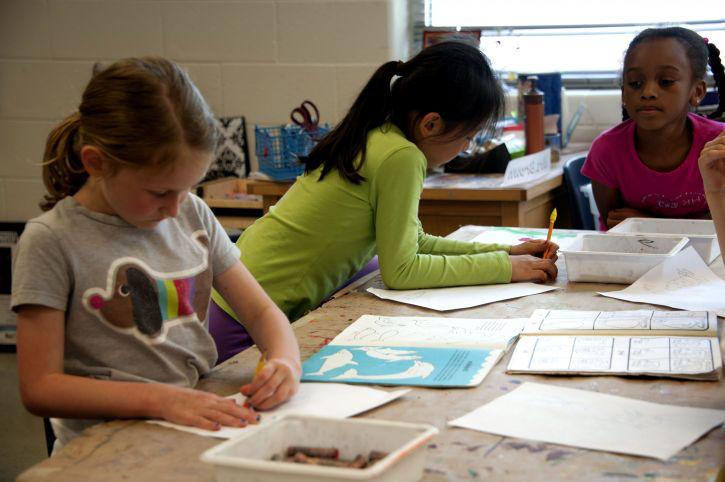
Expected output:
{"points": [[647, 165]]}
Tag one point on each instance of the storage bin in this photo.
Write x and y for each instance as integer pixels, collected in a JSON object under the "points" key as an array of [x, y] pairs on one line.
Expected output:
{"points": [[278, 149], [247, 457], [700, 231], [618, 258]]}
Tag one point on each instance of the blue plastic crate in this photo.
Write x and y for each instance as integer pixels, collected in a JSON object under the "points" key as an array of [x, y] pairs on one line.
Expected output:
{"points": [[279, 147]]}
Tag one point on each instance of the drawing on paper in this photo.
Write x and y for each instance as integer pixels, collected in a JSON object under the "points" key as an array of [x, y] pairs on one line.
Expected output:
{"points": [[624, 320]]}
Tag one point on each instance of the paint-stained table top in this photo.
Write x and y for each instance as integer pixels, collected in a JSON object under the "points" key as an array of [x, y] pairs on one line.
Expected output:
{"points": [[134, 450]]}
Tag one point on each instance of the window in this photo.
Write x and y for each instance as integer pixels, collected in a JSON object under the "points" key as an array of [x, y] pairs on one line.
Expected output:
{"points": [[587, 44]]}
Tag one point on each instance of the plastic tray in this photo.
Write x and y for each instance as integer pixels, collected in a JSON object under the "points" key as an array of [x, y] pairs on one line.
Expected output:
{"points": [[247, 457], [618, 258], [700, 231]]}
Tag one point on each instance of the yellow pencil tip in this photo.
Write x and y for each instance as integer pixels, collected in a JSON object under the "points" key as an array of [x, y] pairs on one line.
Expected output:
{"points": [[553, 215]]}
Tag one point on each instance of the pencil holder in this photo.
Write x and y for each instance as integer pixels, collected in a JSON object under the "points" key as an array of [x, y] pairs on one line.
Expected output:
{"points": [[278, 149]]}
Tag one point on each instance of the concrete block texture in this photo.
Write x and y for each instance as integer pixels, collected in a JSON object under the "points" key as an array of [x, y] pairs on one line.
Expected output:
{"points": [[312, 32]]}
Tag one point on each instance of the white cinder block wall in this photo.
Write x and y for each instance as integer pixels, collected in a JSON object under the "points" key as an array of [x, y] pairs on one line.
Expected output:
{"points": [[253, 58]]}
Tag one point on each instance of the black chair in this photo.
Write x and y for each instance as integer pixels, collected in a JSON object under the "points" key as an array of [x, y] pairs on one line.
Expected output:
{"points": [[49, 435], [581, 216]]}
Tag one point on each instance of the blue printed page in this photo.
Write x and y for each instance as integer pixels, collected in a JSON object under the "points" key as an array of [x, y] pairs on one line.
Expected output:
{"points": [[400, 365]]}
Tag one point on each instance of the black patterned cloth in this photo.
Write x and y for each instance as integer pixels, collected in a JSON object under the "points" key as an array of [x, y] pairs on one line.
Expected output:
{"points": [[232, 151]]}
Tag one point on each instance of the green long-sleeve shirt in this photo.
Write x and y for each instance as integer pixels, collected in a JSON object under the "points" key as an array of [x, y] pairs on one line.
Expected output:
{"points": [[322, 232]]}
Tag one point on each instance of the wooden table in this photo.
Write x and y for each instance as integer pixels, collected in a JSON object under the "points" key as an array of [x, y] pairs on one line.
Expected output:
{"points": [[450, 201], [134, 450]]}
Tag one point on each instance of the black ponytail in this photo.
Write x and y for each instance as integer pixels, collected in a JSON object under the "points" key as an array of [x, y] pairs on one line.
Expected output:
{"points": [[450, 78], [718, 73], [340, 147]]}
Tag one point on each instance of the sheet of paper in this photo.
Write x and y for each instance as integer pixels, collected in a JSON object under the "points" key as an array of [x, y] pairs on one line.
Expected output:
{"points": [[527, 168], [400, 365], [591, 420], [629, 322], [684, 356], [370, 330], [322, 399], [506, 235], [683, 281], [456, 298]]}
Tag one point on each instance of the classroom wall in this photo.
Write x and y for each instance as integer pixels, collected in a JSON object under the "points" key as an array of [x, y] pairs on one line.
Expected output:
{"points": [[253, 58]]}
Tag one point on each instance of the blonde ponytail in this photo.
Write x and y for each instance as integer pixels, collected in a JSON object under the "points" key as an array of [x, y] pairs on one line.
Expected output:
{"points": [[63, 172]]}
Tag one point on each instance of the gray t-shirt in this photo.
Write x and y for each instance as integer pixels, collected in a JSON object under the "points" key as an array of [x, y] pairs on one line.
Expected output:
{"points": [[135, 300]]}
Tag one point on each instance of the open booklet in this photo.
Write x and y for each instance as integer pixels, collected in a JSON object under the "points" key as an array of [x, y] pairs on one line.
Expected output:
{"points": [[417, 351], [680, 344]]}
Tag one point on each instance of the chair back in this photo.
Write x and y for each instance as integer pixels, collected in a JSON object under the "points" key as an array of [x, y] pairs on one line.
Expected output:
{"points": [[578, 202]]}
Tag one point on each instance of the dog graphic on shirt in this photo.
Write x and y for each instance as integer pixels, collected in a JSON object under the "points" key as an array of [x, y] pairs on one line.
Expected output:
{"points": [[145, 303]]}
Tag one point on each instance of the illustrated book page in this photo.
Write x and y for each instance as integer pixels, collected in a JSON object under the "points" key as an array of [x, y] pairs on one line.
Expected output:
{"points": [[413, 351]]}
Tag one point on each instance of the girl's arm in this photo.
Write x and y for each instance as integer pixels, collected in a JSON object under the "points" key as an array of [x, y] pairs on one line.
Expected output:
{"points": [[47, 391], [404, 264], [279, 378], [611, 206], [430, 244], [712, 168]]}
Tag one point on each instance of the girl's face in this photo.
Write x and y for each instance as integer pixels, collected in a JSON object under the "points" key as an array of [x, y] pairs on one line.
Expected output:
{"points": [[145, 197], [437, 145], [659, 87]]}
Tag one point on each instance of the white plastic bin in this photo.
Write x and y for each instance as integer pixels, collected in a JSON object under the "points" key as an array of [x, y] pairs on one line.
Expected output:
{"points": [[618, 258], [700, 231], [247, 457]]}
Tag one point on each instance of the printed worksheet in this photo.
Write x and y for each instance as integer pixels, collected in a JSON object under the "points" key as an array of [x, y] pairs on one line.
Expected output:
{"points": [[592, 420], [680, 357], [644, 322]]}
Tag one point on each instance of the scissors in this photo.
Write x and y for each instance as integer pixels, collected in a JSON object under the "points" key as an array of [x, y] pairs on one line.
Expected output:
{"points": [[306, 116]]}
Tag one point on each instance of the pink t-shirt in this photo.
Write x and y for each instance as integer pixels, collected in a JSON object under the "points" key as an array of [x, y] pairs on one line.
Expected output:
{"points": [[613, 161]]}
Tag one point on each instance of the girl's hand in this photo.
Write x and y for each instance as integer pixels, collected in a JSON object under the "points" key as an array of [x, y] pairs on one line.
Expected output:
{"points": [[275, 383], [712, 164], [535, 247], [195, 408], [616, 216], [531, 268]]}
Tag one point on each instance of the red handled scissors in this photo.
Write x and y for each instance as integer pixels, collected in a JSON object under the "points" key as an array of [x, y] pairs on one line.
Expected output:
{"points": [[306, 116]]}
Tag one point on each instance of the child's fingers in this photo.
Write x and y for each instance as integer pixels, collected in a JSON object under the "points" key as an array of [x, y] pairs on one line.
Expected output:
{"points": [[259, 379], [199, 421], [549, 269], [281, 394], [230, 420], [229, 408], [259, 397]]}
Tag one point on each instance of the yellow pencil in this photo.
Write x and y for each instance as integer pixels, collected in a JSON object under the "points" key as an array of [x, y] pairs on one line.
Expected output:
{"points": [[258, 368], [260, 363], [552, 219]]}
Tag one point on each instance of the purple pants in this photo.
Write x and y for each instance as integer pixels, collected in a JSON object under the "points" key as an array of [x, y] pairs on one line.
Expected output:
{"points": [[231, 337]]}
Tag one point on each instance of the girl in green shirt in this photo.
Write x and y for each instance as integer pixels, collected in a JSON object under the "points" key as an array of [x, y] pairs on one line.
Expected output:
{"points": [[360, 191]]}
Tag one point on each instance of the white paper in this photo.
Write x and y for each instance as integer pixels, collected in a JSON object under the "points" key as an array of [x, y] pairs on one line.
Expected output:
{"points": [[591, 420], [681, 356], [512, 236], [627, 322], [370, 330], [445, 299], [334, 400], [683, 281], [527, 168]]}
